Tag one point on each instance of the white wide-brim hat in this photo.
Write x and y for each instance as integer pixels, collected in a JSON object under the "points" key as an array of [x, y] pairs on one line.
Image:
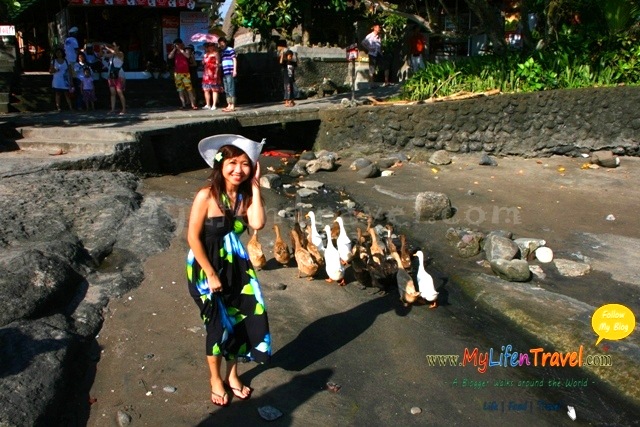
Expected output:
{"points": [[209, 146]]}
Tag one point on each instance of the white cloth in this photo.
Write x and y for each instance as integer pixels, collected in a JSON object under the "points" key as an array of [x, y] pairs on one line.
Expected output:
{"points": [[373, 44], [70, 49], [61, 76]]}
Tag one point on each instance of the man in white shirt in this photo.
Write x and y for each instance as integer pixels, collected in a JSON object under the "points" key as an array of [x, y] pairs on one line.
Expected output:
{"points": [[373, 45]]}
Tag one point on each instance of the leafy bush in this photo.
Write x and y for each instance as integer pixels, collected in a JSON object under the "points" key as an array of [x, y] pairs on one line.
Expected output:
{"points": [[574, 61]]}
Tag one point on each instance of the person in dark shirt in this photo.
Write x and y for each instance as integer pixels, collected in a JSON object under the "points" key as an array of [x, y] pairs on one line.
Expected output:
{"points": [[289, 64]]}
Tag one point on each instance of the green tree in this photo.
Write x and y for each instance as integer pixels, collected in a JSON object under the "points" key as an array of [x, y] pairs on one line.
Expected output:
{"points": [[8, 8]]}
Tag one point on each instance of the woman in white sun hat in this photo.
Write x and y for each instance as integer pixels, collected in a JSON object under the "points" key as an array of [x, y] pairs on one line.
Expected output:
{"points": [[220, 276]]}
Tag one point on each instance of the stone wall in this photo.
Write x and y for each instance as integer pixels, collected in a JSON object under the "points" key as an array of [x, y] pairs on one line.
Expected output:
{"points": [[565, 122]]}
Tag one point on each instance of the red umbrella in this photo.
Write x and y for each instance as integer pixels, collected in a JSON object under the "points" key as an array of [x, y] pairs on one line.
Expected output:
{"points": [[204, 37]]}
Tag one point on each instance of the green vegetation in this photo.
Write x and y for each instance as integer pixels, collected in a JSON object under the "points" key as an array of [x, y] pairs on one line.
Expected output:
{"points": [[576, 43], [597, 45]]}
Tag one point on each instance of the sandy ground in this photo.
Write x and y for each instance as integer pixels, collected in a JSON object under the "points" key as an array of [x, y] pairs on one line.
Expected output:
{"points": [[371, 346]]}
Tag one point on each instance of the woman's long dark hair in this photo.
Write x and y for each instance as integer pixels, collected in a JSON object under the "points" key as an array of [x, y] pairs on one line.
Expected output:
{"points": [[217, 186]]}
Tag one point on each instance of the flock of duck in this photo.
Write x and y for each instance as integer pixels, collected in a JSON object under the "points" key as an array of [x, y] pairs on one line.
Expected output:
{"points": [[374, 260]]}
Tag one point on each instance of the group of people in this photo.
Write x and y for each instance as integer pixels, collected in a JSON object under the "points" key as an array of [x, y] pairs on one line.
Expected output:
{"points": [[72, 71], [73, 75], [220, 69], [380, 60]]}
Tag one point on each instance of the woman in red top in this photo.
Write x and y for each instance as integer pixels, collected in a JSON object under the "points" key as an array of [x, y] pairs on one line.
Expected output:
{"points": [[211, 80]]}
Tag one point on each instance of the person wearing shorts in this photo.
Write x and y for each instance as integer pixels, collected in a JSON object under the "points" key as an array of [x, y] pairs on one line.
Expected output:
{"points": [[181, 75], [116, 76]]}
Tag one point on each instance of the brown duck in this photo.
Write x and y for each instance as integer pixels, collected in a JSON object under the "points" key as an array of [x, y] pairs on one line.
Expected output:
{"points": [[405, 255], [317, 255], [280, 248], [307, 266], [254, 248], [406, 287], [391, 247], [375, 247]]}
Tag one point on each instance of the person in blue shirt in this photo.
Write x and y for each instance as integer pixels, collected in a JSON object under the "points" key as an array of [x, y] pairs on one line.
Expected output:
{"points": [[229, 62]]}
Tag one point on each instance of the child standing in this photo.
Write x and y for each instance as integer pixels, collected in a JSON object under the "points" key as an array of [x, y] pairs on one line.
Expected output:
{"points": [[289, 65], [88, 90]]}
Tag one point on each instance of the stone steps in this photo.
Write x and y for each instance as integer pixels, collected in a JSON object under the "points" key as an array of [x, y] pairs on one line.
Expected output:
{"points": [[83, 131], [74, 147], [89, 139]]}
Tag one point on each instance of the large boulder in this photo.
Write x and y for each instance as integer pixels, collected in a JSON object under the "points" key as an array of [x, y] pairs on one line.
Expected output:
{"points": [[498, 247], [431, 205]]}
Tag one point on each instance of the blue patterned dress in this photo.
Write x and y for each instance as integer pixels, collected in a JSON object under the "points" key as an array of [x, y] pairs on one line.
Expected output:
{"points": [[235, 319]]}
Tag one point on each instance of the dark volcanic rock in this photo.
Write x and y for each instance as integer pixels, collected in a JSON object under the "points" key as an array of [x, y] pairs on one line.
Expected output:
{"points": [[57, 228]]}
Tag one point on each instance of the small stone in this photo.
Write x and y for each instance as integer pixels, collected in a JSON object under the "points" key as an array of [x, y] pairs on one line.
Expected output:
{"points": [[359, 164], [537, 271], [387, 173], [169, 389], [306, 192], [440, 157], [370, 171], [386, 163], [349, 204], [605, 159], [610, 217], [515, 270], [149, 356], [571, 268], [299, 169], [487, 160], [270, 180], [333, 387], [123, 418], [269, 413], [314, 185], [544, 254], [307, 155], [274, 286], [415, 410], [324, 163]]}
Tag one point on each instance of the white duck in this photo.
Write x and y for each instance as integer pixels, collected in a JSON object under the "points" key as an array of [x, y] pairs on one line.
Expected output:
{"points": [[343, 242], [425, 282], [315, 237], [332, 263]]}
